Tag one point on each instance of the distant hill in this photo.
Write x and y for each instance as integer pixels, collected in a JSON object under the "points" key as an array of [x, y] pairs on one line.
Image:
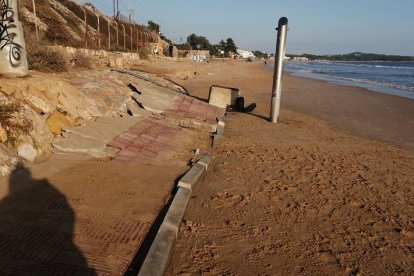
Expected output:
{"points": [[356, 56]]}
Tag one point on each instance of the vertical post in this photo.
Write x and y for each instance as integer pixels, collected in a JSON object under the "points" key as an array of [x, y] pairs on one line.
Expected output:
{"points": [[109, 34], [123, 26], [13, 57], [35, 15], [117, 41], [86, 28], [130, 29], [137, 41], [277, 76], [99, 32], [142, 39]]}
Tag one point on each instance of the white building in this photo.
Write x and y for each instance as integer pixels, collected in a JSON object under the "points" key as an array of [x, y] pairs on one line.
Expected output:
{"points": [[245, 54]]}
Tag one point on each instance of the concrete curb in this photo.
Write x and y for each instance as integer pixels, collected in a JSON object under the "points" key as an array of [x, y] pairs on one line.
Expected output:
{"points": [[219, 133], [158, 257], [191, 178]]}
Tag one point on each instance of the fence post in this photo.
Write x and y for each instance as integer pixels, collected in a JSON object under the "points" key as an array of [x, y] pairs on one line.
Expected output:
{"points": [[13, 57], [277, 76], [117, 41], [99, 31], [35, 15], [141, 40], [130, 29], [124, 35], [86, 27], [109, 33], [137, 41]]}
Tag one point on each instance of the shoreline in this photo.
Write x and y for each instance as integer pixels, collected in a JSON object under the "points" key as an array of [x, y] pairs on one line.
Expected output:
{"points": [[369, 87], [349, 109], [361, 83], [362, 112]]}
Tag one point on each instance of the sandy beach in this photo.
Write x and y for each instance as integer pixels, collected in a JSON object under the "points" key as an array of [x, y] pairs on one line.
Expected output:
{"points": [[327, 190]]}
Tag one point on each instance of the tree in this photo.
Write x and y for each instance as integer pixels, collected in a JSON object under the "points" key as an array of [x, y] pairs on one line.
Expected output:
{"points": [[153, 26], [260, 54], [198, 42], [230, 46]]}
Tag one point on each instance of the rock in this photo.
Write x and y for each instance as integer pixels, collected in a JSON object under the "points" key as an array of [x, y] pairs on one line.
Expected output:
{"points": [[27, 151], [8, 89], [37, 99], [8, 161], [40, 135], [57, 121], [3, 134]]}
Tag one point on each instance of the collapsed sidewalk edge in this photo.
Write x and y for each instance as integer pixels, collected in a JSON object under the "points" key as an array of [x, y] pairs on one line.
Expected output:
{"points": [[158, 257]]}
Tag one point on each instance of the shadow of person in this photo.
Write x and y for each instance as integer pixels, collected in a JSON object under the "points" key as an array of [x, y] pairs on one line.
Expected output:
{"points": [[36, 230]]}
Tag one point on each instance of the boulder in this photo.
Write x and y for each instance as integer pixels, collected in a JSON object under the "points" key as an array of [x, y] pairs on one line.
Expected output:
{"points": [[27, 151], [57, 121]]}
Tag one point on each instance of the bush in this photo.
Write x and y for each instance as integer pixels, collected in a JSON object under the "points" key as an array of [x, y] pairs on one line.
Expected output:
{"points": [[14, 124], [43, 59], [143, 54], [82, 60], [118, 49]]}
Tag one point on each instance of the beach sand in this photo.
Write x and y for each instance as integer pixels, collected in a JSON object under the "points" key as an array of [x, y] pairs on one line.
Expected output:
{"points": [[327, 190]]}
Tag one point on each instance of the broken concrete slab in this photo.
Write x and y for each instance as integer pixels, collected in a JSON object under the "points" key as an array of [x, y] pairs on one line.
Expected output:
{"points": [[91, 138], [222, 96]]}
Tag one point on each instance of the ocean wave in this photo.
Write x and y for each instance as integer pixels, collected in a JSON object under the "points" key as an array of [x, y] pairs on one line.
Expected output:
{"points": [[379, 83], [365, 65]]}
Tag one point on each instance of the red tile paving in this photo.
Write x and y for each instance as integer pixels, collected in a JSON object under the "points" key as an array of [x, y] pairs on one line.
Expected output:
{"points": [[147, 141], [188, 107]]}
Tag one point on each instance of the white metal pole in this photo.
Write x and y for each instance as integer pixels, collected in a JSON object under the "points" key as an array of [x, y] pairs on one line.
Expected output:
{"points": [[278, 72], [99, 32]]}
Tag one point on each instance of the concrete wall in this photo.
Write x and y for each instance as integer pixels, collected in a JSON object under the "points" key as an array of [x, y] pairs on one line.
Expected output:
{"points": [[101, 57], [13, 59]]}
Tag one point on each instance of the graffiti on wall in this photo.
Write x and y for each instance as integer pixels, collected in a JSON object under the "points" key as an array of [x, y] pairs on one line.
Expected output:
{"points": [[8, 33]]}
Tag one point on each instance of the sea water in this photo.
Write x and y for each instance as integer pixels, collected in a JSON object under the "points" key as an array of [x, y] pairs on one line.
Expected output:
{"points": [[396, 78]]}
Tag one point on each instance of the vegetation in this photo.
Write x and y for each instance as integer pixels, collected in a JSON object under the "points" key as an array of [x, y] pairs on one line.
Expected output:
{"points": [[198, 42], [43, 59], [260, 54], [153, 26], [143, 54], [83, 61], [12, 123], [357, 56]]}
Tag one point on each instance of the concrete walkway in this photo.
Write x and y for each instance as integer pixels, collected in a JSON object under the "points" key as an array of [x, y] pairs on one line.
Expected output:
{"points": [[89, 207]]}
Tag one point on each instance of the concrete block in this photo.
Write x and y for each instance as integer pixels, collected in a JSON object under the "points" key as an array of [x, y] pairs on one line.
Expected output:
{"points": [[223, 96], [220, 128], [191, 178], [158, 256], [205, 161], [157, 259], [177, 209]]}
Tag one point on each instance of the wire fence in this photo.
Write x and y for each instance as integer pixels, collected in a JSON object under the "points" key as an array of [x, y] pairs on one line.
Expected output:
{"points": [[98, 31]]}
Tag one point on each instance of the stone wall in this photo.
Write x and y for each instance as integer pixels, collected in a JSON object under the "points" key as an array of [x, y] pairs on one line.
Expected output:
{"points": [[101, 57]]}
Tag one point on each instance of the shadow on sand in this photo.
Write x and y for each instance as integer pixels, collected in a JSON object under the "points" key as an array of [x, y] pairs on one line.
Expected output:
{"points": [[36, 230]]}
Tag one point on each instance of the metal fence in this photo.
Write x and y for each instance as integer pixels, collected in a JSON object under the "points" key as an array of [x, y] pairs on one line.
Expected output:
{"points": [[118, 33]]}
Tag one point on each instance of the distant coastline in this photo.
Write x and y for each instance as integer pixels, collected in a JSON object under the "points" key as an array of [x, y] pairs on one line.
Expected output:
{"points": [[356, 56]]}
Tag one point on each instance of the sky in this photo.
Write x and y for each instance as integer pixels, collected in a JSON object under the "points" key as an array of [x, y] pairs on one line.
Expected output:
{"points": [[315, 26]]}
